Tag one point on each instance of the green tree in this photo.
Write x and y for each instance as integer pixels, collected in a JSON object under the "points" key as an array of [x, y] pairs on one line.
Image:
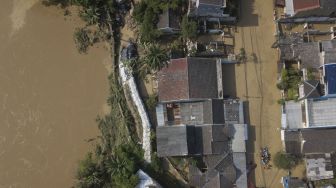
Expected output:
{"points": [[242, 58], [285, 161], [188, 28], [154, 59], [310, 74], [148, 31], [90, 15], [88, 173], [151, 102]]}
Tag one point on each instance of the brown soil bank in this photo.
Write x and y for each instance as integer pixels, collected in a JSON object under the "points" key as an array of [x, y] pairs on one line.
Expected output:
{"points": [[49, 96]]}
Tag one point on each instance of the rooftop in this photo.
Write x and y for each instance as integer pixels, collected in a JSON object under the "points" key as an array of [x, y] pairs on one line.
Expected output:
{"points": [[319, 167], [318, 140], [327, 8], [239, 160], [239, 136], [146, 181], [209, 111], [321, 112], [224, 171], [233, 111], [207, 8], [189, 78], [172, 141], [294, 114], [328, 52], [306, 8], [310, 141], [309, 89], [305, 52], [292, 141], [182, 140]]}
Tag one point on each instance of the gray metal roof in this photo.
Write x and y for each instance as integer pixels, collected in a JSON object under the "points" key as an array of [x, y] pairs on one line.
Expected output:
{"points": [[239, 160], [239, 137], [321, 112], [233, 111], [293, 114], [226, 169], [292, 142], [172, 141], [328, 54], [182, 140], [310, 89], [318, 140]]}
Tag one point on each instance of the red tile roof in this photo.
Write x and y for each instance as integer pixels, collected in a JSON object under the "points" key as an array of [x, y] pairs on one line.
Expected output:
{"points": [[188, 78], [173, 80], [302, 5]]}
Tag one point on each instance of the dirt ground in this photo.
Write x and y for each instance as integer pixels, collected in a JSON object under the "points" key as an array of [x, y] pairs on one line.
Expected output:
{"points": [[50, 95], [256, 84]]}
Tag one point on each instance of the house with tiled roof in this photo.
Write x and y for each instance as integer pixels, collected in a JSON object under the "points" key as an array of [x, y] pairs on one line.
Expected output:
{"points": [[194, 120], [310, 8], [316, 146], [190, 78]]}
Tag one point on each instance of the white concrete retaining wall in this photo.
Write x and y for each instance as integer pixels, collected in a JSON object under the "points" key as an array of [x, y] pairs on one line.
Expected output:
{"points": [[128, 79]]}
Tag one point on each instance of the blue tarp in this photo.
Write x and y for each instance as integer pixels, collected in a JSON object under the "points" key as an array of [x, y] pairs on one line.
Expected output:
{"points": [[285, 181], [330, 77]]}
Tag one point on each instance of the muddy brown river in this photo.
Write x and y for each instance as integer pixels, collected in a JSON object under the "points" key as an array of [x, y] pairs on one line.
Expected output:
{"points": [[49, 96]]}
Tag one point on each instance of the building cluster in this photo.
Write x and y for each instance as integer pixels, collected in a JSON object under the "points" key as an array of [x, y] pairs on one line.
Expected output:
{"points": [[204, 12], [306, 40], [194, 120], [211, 17]]}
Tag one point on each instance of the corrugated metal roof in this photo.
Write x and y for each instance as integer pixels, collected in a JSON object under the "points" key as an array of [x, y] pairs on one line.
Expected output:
{"points": [[172, 140], [293, 114], [318, 140], [321, 112]]}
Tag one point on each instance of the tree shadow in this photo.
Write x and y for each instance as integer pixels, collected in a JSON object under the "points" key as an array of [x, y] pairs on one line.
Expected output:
{"points": [[229, 80]]}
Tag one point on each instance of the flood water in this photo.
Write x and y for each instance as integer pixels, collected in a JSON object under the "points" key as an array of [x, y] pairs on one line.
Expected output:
{"points": [[49, 96]]}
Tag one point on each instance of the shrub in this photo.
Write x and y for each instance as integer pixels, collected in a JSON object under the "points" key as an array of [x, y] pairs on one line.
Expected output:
{"points": [[151, 102], [310, 74], [281, 101], [82, 39], [242, 55], [292, 94], [188, 28]]}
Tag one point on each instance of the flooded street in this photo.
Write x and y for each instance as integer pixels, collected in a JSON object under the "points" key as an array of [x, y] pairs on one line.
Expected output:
{"points": [[49, 96]]}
